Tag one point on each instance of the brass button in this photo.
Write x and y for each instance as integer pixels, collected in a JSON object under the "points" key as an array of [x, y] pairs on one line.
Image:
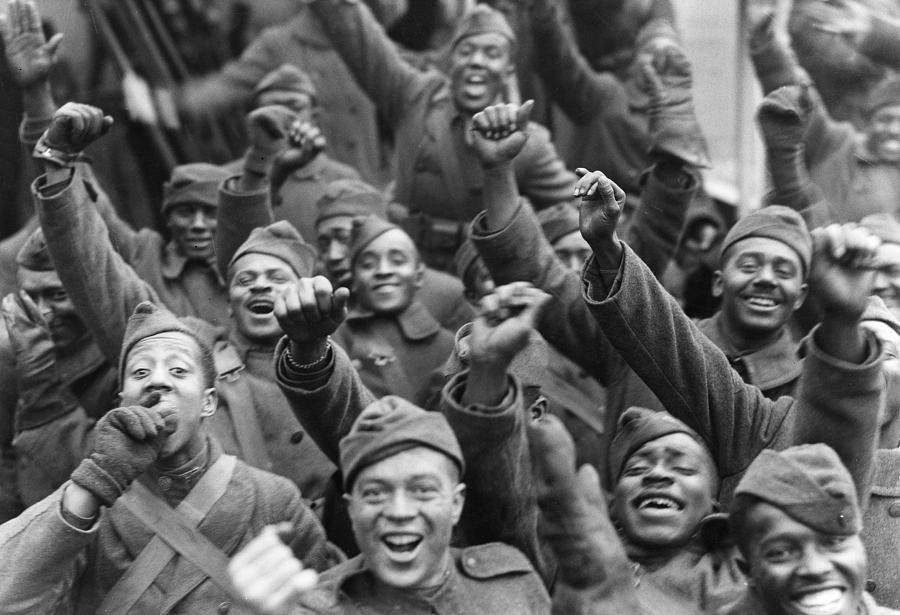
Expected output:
{"points": [[894, 509], [165, 483], [297, 437], [870, 585]]}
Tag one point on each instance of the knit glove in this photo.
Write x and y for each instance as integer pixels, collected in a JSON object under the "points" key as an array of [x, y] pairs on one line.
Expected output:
{"points": [[574, 518], [126, 442], [784, 115], [666, 78], [43, 397]]}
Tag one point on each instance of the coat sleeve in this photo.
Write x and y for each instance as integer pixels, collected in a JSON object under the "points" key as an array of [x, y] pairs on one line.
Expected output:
{"points": [[43, 557], [582, 93], [327, 403], [841, 404], [239, 213], [657, 225], [520, 251], [687, 372], [541, 174], [103, 287], [371, 56], [501, 503]]}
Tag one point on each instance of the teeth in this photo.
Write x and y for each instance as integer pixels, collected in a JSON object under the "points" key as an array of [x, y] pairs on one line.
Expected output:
{"points": [[761, 301], [406, 542], [821, 602], [665, 503]]}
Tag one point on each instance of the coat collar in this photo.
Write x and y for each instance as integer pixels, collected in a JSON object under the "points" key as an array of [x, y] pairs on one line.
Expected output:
{"points": [[771, 366], [415, 322], [173, 264]]}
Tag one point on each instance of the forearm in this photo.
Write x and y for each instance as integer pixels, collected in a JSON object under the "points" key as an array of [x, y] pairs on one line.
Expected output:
{"points": [[669, 188], [243, 206], [103, 288], [325, 402], [42, 557], [501, 196]]}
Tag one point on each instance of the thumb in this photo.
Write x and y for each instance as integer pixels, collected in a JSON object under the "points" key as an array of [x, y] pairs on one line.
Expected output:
{"points": [[523, 114], [532, 313], [588, 484], [340, 299], [52, 46]]}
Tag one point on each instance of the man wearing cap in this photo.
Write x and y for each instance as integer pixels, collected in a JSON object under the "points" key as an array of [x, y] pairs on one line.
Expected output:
{"points": [[148, 519], [797, 521], [438, 178], [395, 343], [693, 377], [346, 200], [887, 280], [298, 184], [254, 421], [856, 170], [55, 381], [181, 270]]}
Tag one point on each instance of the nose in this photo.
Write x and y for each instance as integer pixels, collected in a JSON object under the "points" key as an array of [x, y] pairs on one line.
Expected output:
{"points": [[814, 562], [658, 473], [765, 276], [384, 267], [400, 506], [575, 263], [335, 252], [159, 380], [477, 58], [199, 221], [44, 307]]}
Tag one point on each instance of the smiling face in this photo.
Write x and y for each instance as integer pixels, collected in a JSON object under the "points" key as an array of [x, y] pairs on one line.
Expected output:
{"points": [[193, 228], [403, 510], [170, 363], [761, 285], [887, 279], [333, 240], [884, 134], [256, 281], [796, 570], [480, 66], [666, 487], [387, 273], [54, 304]]}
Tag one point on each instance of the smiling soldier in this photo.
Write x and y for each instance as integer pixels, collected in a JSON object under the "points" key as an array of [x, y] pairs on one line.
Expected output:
{"points": [[797, 520], [394, 342], [402, 468]]}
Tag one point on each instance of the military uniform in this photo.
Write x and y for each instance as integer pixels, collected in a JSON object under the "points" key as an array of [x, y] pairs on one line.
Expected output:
{"points": [[438, 176], [398, 354], [490, 578]]}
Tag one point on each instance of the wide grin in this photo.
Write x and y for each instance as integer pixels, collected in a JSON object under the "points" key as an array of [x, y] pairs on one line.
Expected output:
{"points": [[402, 547], [261, 306], [820, 602], [761, 302], [657, 503]]}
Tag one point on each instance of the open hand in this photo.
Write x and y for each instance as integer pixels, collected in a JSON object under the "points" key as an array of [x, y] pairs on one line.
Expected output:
{"points": [[30, 56]]}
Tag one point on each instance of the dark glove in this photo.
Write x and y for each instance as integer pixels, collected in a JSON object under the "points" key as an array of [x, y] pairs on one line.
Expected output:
{"points": [[673, 126], [783, 117], [43, 397], [126, 442], [574, 518]]}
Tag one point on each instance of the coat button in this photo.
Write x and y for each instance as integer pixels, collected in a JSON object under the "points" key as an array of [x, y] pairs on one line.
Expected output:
{"points": [[296, 437], [165, 483], [894, 509], [223, 608], [870, 585]]}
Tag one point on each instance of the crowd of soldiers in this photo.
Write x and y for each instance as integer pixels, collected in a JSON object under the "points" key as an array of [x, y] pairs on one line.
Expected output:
{"points": [[400, 358]]}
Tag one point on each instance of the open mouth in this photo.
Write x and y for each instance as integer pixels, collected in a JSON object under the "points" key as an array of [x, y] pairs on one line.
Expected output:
{"points": [[761, 302], [820, 602], [402, 545], [657, 502], [261, 306]]}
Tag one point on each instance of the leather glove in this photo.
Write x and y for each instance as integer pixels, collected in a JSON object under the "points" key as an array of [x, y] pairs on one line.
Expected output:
{"points": [[43, 397], [783, 117], [673, 126], [126, 442]]}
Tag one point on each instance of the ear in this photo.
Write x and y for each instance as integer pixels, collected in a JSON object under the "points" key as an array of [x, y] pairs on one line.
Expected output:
{"points": [[210, 402], [420, 274], [804, 290], [718, 284], [459, 500]]}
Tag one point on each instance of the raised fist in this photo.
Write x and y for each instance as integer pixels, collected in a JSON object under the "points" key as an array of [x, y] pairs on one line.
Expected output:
{"points": [[499, 132]]}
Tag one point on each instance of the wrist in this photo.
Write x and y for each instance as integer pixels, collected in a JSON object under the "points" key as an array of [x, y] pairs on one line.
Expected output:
{"points": [[607, 251], [486, 383], [497, 169], [309, 355], [37, 100], [80, 502], [258, 161]]}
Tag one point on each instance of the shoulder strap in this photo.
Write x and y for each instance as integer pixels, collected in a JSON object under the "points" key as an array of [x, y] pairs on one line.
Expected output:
{"points": [[175, 531]]}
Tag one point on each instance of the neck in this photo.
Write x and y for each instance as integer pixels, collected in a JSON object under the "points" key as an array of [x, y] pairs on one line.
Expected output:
{"points": [[188, 456], [744, 340]]}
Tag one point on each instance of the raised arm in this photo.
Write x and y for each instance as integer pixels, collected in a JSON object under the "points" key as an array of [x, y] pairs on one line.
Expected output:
{"points": [[102, 286], [371, 56], [581, 92], [315, 375]]}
